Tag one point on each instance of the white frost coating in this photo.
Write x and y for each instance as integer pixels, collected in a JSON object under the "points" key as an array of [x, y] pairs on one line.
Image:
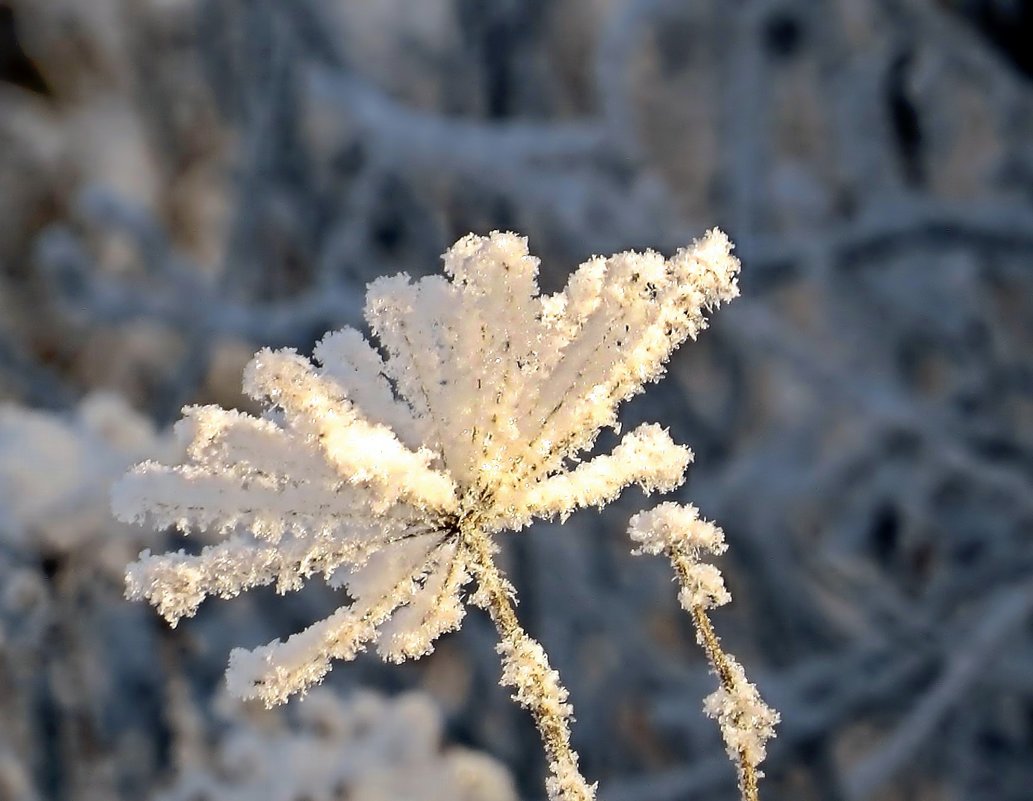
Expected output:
{"points": [[679, 531], [348, 358], [746, 722], [229, 441], [177, 583], [647, 456], [409, 321], [436, 609], [497, 283], [391, 566], [193, 497], [675, 526], [526, 669], [368, 466], [703, 588], [624, 329], [360, 451]]}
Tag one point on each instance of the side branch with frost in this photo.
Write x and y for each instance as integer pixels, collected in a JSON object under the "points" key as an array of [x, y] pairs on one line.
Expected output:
{"points": [[390, 469], [746, 722]]}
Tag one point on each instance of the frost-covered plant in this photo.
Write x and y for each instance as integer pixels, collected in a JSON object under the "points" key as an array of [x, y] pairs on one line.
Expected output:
{"points": [[363, 748], [746, 722], [391, 471]]}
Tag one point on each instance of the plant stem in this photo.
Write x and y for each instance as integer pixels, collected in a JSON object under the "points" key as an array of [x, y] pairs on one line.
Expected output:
{"points": [[711, 644], [526, 668]]}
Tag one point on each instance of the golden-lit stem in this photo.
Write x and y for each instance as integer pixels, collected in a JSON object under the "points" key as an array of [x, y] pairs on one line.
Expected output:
{"points": [[495, 594], [711, 644]]}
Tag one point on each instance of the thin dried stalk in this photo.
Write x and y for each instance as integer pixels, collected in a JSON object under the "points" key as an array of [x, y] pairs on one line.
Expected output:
{"points": [[719, 662], [527, 670], [746, 722]]}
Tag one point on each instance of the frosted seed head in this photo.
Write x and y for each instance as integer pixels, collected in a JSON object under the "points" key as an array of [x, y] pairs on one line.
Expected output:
{"points": [[476, 402], [673, 526]]}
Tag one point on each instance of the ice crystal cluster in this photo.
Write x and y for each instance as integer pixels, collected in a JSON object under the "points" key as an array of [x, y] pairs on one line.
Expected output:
{"points": [[388, 468], [671, 528]]}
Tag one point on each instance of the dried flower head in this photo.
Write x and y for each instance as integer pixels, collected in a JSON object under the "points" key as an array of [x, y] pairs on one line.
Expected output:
{"points": [[389, 469]]}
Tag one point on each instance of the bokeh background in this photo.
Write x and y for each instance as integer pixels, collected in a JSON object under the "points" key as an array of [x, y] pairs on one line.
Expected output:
{"points": [[183, 181]]}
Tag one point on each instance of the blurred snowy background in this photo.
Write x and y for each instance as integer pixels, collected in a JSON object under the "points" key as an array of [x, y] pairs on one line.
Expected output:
{"points": [[182, 181]]}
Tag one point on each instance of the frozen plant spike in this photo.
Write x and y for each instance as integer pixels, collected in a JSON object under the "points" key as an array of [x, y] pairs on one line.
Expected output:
{"points": [[388, 470], [746, 722]]}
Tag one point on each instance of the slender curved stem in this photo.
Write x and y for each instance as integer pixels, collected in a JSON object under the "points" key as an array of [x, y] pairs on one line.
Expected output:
{"points": [[711, 644], [526, 668]]}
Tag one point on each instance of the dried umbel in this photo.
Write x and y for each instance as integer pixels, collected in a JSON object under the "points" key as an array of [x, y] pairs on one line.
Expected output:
{"points": [[390, 470]]}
